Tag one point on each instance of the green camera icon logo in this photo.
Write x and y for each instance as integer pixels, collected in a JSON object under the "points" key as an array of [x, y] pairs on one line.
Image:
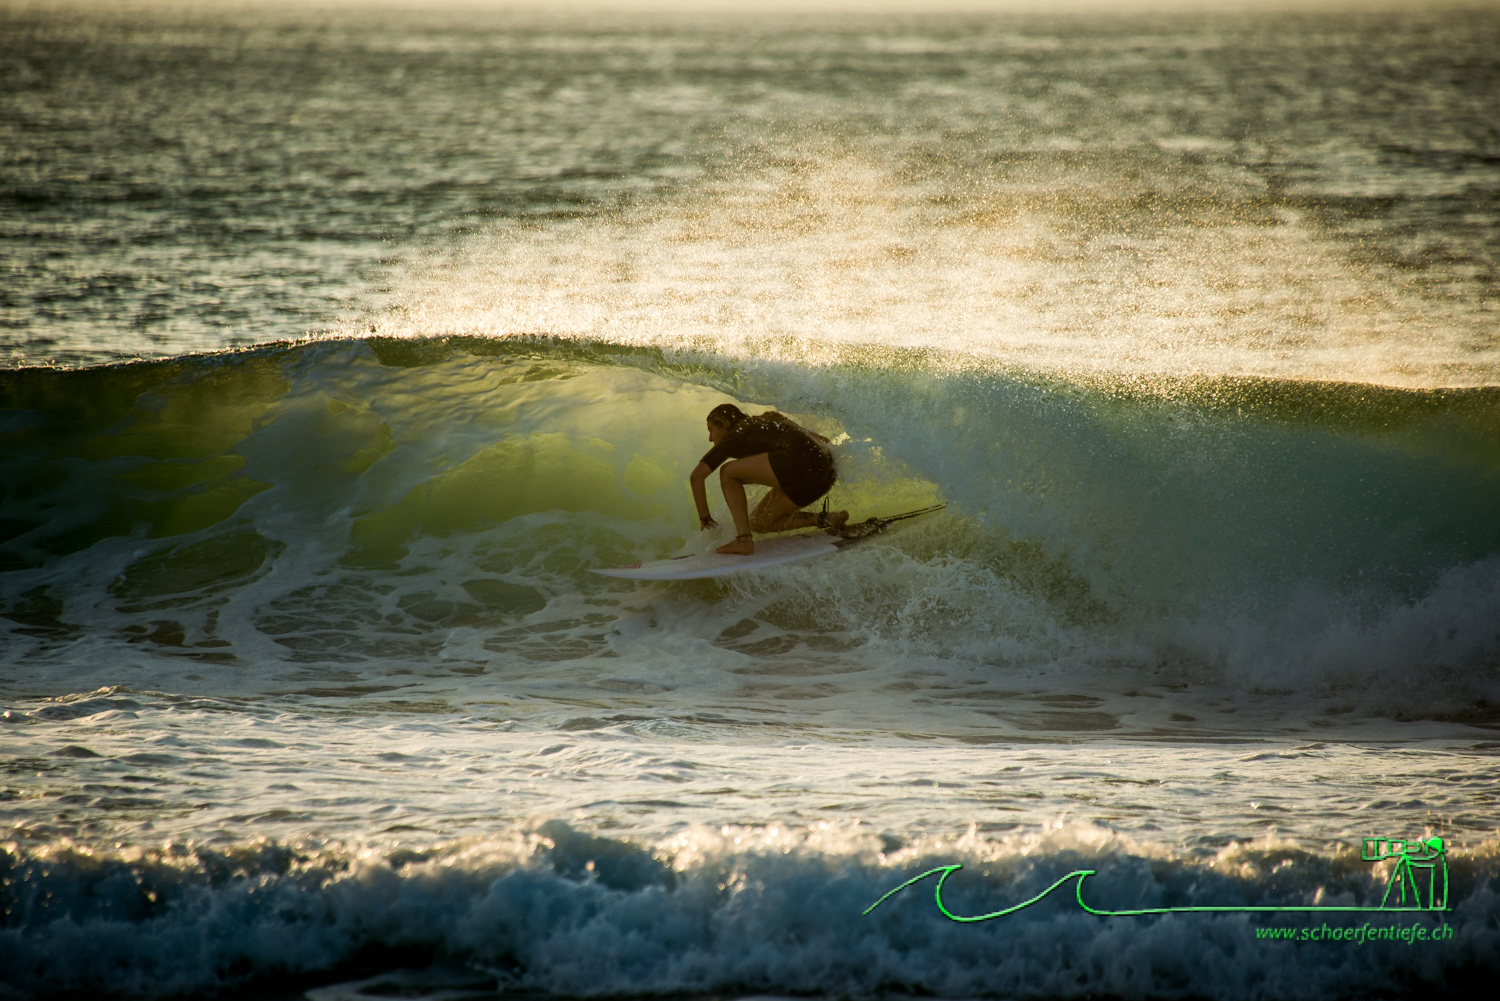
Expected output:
{"points": [[1413, 858]]}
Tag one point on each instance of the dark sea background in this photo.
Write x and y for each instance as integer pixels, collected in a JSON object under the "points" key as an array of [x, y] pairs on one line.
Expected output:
{"points": [[338, 344]]}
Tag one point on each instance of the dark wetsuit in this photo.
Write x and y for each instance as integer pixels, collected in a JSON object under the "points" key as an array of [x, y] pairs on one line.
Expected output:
{"points": [[802, 463]]}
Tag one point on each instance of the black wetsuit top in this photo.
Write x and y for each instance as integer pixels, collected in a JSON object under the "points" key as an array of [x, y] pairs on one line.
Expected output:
{"points": [[802, 463]]}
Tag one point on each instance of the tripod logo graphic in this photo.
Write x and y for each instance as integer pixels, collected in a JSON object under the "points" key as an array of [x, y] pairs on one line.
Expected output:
{"points": [[1427, 856]]}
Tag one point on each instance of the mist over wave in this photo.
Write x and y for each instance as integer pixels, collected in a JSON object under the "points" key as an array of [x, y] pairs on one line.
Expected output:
{"points": [[1244, 193]]}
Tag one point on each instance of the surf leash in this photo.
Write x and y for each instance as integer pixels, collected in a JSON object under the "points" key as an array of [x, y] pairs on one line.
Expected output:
{"points": [[874, 526]]}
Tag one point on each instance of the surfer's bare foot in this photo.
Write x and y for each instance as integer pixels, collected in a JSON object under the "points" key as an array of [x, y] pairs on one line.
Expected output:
{"points": [[743, 545]]}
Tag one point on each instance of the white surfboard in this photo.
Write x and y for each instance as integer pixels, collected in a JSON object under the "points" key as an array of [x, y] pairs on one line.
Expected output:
{"points": [[769, 552]]}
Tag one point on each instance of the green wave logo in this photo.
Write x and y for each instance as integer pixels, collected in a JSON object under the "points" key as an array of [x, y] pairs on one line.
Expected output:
{"points": [[1422, 856]]}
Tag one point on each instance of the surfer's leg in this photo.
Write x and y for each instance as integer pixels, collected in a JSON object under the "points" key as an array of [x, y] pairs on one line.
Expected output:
{"points": [[732, 478], [789, 517], [776, 512], [803, 478]]}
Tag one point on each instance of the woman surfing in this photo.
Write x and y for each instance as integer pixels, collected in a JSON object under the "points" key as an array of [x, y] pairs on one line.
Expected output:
{"points": [[775, 451]]}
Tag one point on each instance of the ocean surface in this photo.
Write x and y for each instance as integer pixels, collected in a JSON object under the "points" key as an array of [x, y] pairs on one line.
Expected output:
{"points": [[337, 346]]}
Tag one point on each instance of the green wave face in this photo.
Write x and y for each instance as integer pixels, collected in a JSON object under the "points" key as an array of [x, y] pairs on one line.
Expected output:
{"points": [[173, 449]]}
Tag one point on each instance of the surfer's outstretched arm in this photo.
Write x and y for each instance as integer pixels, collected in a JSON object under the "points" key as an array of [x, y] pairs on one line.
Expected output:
{"points": [[697, 478]]}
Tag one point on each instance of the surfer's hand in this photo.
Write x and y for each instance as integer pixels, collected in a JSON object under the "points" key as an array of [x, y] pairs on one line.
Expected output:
{"points": [[706, 523]]}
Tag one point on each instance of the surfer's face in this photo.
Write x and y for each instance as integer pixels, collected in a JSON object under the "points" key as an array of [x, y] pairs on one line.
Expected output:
{"points": [[715, 432]]}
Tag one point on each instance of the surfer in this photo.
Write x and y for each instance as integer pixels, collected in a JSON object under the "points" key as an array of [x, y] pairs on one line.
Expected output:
{"points": [[775, 451]]}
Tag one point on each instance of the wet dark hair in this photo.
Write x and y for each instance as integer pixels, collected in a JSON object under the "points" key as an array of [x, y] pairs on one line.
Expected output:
{"points": [[726, 415]]}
